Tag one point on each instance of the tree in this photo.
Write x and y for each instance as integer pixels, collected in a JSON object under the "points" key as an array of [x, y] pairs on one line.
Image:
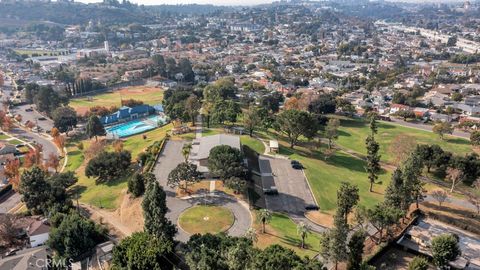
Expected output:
{"points": [[455, 176], [264, 215], [237, 184], [401, 147], [331, 131], [12, 172], [94, 127], [445, 248], [154, 207], [324, 104], [412, 185], [294, 124], [373, 160], [35, 190], [272, 102], [475, 138], [63, 179], [394, 192], [107, 166], [64, 119], [185, 172], [251, 119], [75, 236], [373, 123], [303, 230], [381, 216], [442, 128], [418, 263], [47, 100], [59, 141], [9, 228], [225, 162], [52, 161], [192, 107], [347, 198], [136, 185], [186, 149], [333, 243], [355, 249], [440, 196], [406, 114], [251, 234], [143, 251]]}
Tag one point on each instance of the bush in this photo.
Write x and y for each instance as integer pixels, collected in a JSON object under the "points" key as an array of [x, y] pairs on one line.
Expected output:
{"points": [[136, 185], [80, 145]]}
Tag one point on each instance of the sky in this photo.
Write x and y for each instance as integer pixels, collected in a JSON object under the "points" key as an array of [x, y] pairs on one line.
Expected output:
{"points": [[175, 2]]}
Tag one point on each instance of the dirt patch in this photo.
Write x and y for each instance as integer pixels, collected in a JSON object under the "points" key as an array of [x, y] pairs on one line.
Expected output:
{"points": [[323, 219], [131, 213]]}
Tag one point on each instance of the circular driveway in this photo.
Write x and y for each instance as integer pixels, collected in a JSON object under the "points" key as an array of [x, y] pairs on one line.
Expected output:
{"points": [[170, 157]]}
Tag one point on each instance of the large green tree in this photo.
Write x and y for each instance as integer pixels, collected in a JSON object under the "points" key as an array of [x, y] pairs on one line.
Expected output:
{"points": [[445, 249], [185, 172], [373, 160], [76, 236], [108, 166], [355, 250], [347, 198], [94, 127], [154, 212], [295, 123], [64, 118], [225, 162], [143, 251]]}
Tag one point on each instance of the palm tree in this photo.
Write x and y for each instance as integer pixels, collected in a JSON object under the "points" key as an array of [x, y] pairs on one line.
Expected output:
{"points": [[186, 151], [302, 230], [264, 215], [251, 234]]}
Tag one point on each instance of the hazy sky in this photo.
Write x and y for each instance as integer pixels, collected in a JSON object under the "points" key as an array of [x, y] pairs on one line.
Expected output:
{"points": [[175, 2]]}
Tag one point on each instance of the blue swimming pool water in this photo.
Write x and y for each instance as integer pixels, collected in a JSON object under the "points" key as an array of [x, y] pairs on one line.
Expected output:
{"points": [[136, 126]]}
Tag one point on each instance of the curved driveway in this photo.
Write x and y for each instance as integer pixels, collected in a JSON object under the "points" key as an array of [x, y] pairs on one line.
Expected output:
{"points": [[172, 156]]}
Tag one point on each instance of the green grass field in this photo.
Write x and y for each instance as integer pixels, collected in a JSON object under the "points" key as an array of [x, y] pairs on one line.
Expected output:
{"points": [[283, 231], [149, 96], [108, 195], [206, 219], [253, 143], [354, 132], [325, 176]]}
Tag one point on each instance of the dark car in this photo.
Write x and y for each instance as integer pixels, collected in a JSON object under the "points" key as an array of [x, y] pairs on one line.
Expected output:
{"points": [[311, 207], [42, 118], [29, 110], [296, 165]]}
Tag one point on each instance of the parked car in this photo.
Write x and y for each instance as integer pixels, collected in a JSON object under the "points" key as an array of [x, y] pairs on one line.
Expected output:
{"points": [[311, 207], [29, 110], [296, 165], [42, 118], [270, 191]]}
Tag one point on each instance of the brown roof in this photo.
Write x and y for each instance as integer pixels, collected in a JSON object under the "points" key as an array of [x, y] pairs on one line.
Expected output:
{"points": [[38, 227]]}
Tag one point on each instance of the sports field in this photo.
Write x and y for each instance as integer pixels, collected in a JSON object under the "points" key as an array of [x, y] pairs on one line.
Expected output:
{"points": [[149, 95]]}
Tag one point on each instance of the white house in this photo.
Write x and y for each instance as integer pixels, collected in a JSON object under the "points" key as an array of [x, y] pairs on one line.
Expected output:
{"points": [[38, 233]]}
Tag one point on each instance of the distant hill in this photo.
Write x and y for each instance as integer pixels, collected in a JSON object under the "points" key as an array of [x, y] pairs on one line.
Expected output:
{"points": [[73, 13]]}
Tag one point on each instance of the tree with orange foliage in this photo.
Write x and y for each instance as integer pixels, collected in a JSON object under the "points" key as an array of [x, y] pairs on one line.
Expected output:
{"points": [[54, 132], [12, 172], [34, 156], [53, 161], [6, 123], [292, 104], [59, 142], [30, 125]]}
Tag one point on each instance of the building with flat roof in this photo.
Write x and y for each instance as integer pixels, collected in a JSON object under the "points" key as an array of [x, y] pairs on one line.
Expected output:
{"points": [[201, 148]]}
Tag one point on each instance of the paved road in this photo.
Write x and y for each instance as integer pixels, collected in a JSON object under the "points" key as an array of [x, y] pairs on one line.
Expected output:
{"points": [[426, 127], [169, 159], [9, 201], [32, 116], [32, 258]]}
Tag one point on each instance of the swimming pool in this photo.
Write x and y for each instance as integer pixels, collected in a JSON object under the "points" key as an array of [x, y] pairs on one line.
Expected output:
{"points": [[135, 126]]}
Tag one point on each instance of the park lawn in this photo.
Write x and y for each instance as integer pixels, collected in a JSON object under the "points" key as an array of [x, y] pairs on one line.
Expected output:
{"points": [[206, 219], [136, 144], [253, 143], [75, 156], [14, 142], [353, 132], [211, 131], [148, 95], [325, 176], [283, 231], [4, 137]]}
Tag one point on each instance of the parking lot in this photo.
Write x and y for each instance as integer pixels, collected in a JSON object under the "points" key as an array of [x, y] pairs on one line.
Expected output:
{"points": [[294, 192]]}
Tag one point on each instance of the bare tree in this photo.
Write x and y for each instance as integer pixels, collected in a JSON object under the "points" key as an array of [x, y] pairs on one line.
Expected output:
{"points": [[440, 196], [455, 176], [8, 229]]}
